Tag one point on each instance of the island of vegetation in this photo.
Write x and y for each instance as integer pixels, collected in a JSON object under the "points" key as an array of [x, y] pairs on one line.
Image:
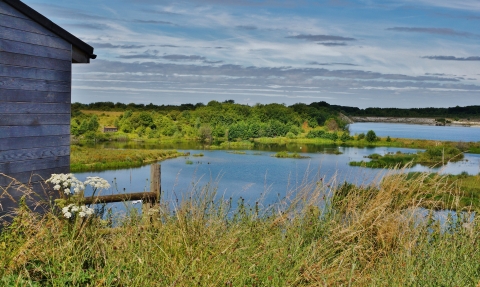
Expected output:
{"points": [[433, 157]]}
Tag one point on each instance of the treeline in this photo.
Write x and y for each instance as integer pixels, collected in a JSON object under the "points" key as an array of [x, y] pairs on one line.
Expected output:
{"points": [[214, 120], [452, 112]]}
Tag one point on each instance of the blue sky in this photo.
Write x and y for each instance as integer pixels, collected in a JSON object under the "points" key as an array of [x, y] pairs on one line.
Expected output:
{"points": [[364, 53]]}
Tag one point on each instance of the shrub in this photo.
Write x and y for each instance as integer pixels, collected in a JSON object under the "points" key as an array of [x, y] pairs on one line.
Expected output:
{"points": [[371, 136]]}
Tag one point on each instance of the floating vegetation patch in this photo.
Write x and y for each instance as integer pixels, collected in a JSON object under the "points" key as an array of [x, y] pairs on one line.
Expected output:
{"points": [[284, 154]]}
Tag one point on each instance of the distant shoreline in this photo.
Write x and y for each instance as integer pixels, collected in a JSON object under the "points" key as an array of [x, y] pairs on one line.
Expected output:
{"points": [[416, 121]]}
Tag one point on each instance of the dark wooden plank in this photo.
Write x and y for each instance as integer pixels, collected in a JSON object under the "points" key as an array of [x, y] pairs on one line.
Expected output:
{"points": [[33, 131], [34, 85], [24, 25], [9, 10], [34, 153], [21, 60], [34, 50], [35, 108], [12, 168], [145, 196], [34, 142], [34, 73], [34, 96], [33, 38], [32, 119]]}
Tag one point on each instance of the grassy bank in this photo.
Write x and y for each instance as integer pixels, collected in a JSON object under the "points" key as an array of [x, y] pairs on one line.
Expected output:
{"points": [[367, 236], [92, 159], [470, 147]]}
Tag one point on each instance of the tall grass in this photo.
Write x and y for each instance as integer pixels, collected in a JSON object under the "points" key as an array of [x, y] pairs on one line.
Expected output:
{"points": [[320, 234]]}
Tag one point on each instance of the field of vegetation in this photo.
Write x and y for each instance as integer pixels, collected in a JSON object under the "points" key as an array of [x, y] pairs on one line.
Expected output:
{"points": [[376, 235], [92, 159], [228, 125]]}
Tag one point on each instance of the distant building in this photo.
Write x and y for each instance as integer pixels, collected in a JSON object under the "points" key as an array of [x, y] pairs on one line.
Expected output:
{"points": [[110, 129], [36, 57]]}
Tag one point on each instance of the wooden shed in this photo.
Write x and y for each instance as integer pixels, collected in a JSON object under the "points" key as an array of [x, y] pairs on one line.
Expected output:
{"points": [[36, 57]]}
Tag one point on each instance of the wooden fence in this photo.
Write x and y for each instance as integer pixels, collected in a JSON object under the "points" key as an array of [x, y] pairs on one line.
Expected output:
{"points": [[149, 199]]}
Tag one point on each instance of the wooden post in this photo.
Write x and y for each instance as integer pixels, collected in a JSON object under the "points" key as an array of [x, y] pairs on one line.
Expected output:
{"points": [[155, 187], [156, 179]]}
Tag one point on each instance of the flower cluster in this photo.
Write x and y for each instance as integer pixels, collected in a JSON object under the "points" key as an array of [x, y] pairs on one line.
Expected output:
{"points": [[97, 183], [67, 183], [71, 209]]}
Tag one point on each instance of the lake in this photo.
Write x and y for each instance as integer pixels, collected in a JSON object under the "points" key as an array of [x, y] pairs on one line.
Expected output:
{"points": [[256, 174], [394, 130]]}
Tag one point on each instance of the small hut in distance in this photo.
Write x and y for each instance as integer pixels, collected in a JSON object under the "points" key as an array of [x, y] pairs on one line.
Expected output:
{"points": [[110, 129], [36, 57]]}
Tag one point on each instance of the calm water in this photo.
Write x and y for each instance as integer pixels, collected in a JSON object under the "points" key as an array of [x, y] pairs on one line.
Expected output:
{"points": [[447, 133], [257, 174]]}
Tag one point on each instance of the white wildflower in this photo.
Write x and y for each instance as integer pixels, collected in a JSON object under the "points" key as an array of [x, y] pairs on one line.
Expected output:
{"points": [[65, 183], [67, 214], [65, 209], [97, 182], [82, 214]]}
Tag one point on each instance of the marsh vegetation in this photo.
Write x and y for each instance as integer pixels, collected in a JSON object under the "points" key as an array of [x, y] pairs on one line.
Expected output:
{"points": [[379, 234]]}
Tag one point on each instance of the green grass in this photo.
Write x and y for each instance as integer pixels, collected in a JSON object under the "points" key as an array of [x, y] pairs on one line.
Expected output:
{"points": [[367, 236], [92, 159], [284, 154]]}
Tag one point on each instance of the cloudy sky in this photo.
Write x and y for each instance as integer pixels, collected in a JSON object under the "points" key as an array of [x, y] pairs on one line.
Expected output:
{"points": [[364, 53]]}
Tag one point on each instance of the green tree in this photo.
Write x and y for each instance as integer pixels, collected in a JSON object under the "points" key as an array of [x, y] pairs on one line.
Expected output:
{"points": [[205, 133], [93, 123], [371, 136]]}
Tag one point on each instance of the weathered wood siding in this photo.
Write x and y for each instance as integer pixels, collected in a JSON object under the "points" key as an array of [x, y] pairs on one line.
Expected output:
{"points": [[35, 93]]}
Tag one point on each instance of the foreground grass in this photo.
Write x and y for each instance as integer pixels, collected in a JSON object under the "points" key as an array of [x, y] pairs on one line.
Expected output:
{"points": [[92, 159], [366, 236]]}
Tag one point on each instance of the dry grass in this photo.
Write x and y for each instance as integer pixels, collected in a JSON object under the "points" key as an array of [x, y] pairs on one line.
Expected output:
{"points": [[316, 236]]}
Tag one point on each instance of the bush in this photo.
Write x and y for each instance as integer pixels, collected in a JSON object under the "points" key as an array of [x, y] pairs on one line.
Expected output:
{"points": [[371, 136], [345, 137], [361, 136]]}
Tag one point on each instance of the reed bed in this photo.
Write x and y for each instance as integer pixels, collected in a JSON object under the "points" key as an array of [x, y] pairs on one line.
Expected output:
{"points": [[319, 234]]}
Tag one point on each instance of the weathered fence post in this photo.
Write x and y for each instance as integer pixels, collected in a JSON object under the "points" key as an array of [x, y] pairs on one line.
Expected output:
{"points": [[155, 187]]}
